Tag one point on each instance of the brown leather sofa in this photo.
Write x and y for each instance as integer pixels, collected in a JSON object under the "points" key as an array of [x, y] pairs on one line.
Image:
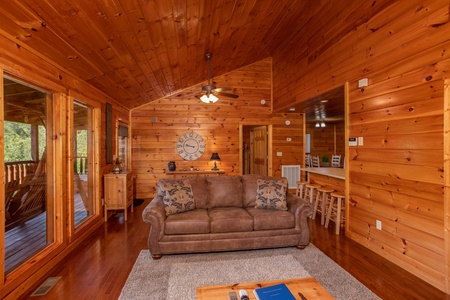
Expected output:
{"points": [[225, 219]]}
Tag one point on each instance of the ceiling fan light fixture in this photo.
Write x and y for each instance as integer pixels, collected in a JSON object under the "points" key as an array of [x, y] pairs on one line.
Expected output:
{"points": [[317, 125], [209, 89], [209, 99], [322, 124]]}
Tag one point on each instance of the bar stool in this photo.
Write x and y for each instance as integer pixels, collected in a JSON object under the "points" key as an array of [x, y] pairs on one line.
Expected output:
{"points": [[301, 188], [336, 211], [310, 191], [323, 193]]}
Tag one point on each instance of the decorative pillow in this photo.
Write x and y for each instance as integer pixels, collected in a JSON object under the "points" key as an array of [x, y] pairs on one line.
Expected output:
{"points": [[177, 196], [271, 194]]}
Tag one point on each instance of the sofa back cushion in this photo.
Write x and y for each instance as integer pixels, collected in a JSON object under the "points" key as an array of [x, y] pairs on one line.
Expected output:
{"points": [[198, 185], [177, 196], [271, 194], [249, 183], [224, 191]]}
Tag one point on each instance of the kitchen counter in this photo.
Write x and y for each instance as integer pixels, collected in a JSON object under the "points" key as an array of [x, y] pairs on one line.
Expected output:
{"points": [[330, 177], [338, 173]]}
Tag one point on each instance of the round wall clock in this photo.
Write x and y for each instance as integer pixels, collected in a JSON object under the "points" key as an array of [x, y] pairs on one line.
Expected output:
{"points": [[191, 146]]}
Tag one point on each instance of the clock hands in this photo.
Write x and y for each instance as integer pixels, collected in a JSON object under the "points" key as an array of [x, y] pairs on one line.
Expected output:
{"points": [[187, 145]]}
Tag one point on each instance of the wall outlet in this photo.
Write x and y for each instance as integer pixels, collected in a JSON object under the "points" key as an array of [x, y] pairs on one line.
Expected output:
{"points": [[289, 139], [378, 224], [360, 141]]}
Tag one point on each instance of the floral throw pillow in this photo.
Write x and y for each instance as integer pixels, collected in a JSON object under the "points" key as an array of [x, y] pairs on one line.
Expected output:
{"points": [[271, 194], [177, 197]]}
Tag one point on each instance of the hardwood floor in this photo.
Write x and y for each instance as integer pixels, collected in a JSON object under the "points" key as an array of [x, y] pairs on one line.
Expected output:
{"points": [[99, 268]]}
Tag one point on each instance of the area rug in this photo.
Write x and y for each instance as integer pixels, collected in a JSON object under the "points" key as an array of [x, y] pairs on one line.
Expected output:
{"points": [[175, 277]]}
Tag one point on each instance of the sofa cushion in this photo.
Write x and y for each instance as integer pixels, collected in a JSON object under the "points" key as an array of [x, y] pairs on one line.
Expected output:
{"points": [[199, 189], [224, 191], [198, 185], [271, 194], [268, 219], [230, 219], [190, 222], [249, 187], [177, 196]]}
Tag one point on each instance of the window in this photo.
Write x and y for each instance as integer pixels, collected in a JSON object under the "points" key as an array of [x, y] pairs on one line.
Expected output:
{"points": [[83, 151], [29, 207], [122, 146]]}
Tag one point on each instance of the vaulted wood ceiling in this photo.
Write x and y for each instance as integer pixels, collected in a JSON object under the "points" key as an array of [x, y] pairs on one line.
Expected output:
{"points": [[137, 51]]}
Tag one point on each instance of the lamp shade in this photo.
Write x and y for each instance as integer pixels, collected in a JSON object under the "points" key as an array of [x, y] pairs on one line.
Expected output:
{"points": [[209, 98], [215, 156]]}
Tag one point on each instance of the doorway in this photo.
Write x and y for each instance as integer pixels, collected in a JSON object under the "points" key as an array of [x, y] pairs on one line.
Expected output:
{"points": [[254, 145]]}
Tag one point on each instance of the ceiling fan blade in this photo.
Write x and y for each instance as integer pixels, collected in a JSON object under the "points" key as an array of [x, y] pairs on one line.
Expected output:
{"points": [[226, 94], [224, 89]]}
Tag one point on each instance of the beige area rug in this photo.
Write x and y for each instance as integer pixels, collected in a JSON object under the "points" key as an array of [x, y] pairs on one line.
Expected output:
{"points": [[175, 277]]}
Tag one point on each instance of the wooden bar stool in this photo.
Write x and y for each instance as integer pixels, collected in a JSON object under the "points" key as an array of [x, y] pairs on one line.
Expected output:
{"points": [[336, 211], [310, 191], [322, 196], [301, 188]]}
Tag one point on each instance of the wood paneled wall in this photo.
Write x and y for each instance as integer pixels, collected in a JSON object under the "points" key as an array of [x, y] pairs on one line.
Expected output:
{"points": [[397, 176], [328, 140], [157, 126]]}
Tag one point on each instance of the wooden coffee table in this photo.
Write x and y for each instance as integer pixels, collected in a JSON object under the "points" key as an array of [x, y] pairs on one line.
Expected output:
{"points": [[307, 287]]}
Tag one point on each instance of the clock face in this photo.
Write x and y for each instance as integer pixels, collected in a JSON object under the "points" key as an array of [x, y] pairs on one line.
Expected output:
{"points": [[191, 146]]}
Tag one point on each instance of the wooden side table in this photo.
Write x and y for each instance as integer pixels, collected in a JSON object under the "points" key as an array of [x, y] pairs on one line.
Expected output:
{"points": [[194, 173], [118, 192]]}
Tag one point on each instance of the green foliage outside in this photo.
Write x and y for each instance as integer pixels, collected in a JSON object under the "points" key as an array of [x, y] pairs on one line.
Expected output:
{"points": [[18, 141]]}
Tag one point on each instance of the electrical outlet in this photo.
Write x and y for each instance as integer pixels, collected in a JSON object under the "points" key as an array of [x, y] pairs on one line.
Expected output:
{"points": [[289, 139], [378, 224]]}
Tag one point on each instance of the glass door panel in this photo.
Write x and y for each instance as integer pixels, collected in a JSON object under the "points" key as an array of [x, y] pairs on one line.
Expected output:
{"points": [[83, 143], [27, 157]]}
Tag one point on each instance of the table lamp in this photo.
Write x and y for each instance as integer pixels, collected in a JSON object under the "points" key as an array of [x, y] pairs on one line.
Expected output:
{"points": [[215, 157]]}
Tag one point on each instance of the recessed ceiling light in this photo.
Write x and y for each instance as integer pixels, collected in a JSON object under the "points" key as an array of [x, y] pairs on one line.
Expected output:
{"points": [[324, 100], [292, 109]]}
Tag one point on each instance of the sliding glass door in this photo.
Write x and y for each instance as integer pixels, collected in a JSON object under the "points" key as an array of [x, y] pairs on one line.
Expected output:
{"points": [[83, 150], [27, 159]]}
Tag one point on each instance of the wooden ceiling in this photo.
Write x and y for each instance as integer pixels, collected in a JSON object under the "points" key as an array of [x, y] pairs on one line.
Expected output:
{"points": [[23, 104], [137, 51], [328, 107]]}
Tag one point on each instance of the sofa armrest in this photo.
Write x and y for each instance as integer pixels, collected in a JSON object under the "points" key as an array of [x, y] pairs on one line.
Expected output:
{"points": [[155, 215], [300, 208]]}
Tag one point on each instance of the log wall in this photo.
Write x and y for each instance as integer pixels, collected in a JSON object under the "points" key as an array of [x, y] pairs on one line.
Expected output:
{"points": [[397, 176], [157, 126]]}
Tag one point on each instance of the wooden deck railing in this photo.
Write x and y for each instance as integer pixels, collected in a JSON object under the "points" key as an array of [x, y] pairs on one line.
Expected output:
{"points": [[25, 190], [16, 171]]}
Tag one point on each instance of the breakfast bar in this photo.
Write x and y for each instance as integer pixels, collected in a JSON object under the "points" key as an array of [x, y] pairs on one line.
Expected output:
{"points": [[331, 177]]}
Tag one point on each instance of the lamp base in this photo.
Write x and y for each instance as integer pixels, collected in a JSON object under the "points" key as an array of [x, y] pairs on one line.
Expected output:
{"points": [[215, 167]]}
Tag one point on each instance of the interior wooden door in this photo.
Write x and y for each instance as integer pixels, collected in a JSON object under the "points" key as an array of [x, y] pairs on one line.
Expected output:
{"points": [[259, 162]]}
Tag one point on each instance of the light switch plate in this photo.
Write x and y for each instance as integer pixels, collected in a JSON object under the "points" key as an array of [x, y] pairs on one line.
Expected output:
{"points": [[279, 153], [378, 224], [360, 141]]}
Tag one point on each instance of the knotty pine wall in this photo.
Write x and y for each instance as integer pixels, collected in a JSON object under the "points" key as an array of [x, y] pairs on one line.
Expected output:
{"points": [[327, 140], [157, 126], [397, 176]]}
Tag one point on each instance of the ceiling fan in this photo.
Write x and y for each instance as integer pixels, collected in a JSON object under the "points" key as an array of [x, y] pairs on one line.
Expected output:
{"points": [[210, 92]]}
